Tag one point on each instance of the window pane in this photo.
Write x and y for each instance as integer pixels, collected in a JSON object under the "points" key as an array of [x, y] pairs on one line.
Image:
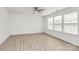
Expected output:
{"points": [[50, 27], [58, 19], [71, 23], [71, 28], [58, 23], [50, 23], [58, 27], [71, 17], [50, 20]]}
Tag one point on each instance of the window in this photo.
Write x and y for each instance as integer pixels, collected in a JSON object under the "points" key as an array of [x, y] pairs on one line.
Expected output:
{"points": [[67, 23], [58, 23], [50, 23], [71, 23]]}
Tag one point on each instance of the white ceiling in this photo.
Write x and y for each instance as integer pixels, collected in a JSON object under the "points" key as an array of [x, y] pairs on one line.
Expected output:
{"points": [[29, 10]]}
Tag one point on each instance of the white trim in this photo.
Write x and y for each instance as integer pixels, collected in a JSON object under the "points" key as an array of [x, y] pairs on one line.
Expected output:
{"points": [[78, 22]]}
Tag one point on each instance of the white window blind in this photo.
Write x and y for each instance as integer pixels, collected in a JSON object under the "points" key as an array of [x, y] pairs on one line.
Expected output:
{"points": [[71, 23], [58, 23], [50, 23]]}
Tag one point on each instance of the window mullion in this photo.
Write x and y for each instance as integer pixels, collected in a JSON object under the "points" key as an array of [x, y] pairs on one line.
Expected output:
{"points": [[62, 23], [78, 21], [53, 23]]}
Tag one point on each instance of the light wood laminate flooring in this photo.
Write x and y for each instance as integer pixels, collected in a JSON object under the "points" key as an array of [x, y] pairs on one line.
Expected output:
{"points": [[36, 42]]}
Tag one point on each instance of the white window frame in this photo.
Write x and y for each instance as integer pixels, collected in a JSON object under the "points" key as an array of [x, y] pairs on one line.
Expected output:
{"points": [[77, 23], [50, 24], [63, 22], [57, 23]]}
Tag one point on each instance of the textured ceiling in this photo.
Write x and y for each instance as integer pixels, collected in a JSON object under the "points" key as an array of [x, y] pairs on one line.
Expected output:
{"points": [[29, 10]]}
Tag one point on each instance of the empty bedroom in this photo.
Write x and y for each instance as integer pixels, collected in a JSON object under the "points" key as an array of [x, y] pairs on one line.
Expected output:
{"points": [[39, 29]]}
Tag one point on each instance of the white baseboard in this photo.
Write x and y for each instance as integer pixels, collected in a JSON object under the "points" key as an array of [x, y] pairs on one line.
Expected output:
{"points": [[26, 33]]}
